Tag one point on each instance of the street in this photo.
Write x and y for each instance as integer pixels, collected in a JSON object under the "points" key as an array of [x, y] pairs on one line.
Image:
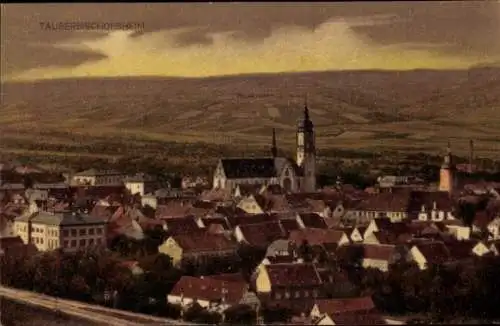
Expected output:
{"points": [[98, 314]]}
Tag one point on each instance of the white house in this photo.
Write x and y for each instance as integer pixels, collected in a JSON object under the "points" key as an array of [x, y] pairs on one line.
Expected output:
{"points": [[140, 183], [93, 177]]}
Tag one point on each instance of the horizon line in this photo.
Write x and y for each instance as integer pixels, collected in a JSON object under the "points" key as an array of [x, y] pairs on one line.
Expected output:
{"points": [[253, 74]]}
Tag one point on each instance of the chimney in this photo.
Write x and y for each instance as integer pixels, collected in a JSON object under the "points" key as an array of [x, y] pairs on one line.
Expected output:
{"points": [[471, 155]]}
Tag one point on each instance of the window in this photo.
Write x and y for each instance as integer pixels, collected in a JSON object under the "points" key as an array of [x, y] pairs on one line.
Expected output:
{"points": [[278, 295], [73, 243], [287, 295], [98, 241], [297, 294], [83, 242], [91, 231], [73, 232], [315, 293], [99, 230], [91, 242], [41, 240], [65, 233], [66, 243], [306, 294], [83, 232]]}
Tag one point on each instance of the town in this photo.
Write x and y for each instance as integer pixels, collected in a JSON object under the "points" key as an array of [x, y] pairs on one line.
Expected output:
{"points": [[258, 242]]}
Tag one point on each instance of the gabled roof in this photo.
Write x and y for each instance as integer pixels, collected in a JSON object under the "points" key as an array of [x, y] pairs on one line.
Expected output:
{"points": [[262, 234], [355, 319], [290, 275], [210, 289], [378, 252], [289, 225], [215, 220], [313, 220], [204, 242], [434, 252], [385, 202], [315, 236], [95, 172], [427, 198], [392, 238], [249, 219], [185, 225], [348, 305]]}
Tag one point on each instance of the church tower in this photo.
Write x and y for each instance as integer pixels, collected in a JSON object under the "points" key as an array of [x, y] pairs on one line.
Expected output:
{"points": [[274, 147], [306, 151], [447, 172]]}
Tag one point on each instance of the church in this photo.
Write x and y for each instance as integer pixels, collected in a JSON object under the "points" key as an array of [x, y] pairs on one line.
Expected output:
{"points": [[297, 175]]}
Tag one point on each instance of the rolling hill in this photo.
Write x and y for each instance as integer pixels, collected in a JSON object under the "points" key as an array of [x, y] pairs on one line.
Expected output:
{"points": [[371, 110]]}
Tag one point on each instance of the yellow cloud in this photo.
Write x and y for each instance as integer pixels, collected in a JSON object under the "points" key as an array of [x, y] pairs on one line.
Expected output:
{"points": [[332, 46]]}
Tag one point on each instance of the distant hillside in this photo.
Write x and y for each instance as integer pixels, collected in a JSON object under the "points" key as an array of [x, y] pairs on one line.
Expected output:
{"points": [[411, 110]]}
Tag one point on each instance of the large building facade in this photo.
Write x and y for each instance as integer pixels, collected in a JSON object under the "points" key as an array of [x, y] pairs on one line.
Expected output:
{"points": [[297, 175]]}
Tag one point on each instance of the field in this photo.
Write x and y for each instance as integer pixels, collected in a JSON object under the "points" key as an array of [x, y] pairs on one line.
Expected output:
{"points": [[412, 111]]}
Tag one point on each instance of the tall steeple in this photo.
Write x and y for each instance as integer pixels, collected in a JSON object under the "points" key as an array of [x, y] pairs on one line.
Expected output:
{"points": [[448, 158], [274, 148], [447, 172], [306, 150], [306, 109]]}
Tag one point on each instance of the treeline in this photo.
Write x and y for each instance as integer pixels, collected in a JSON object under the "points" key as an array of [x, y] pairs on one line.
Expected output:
{"points": [[443, 292]]}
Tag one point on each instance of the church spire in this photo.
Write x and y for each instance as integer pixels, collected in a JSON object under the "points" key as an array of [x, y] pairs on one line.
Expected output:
{"points": [[306, 109], [448, 158], [274, 148]]}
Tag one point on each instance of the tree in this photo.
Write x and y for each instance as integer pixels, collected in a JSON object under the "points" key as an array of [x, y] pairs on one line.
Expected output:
{"points": [[197, 314], [240, 314], [466, 211]]}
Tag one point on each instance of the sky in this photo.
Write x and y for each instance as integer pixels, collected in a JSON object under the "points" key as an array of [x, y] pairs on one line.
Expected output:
{"points": [[211, 39]]}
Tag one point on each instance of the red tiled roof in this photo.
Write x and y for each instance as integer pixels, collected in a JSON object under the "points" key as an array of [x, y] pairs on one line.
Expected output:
{"points": [[385, 202], [356, 319], [289, 225], [341, 306], [215, 220], [229, 277], [315, 236], [304, 274], [249, 219], [434, 252], [209, 288], [98, 192], [378, 252], [184, 225], [204, 242], [313, 220], [392, 238], [262, 234], [427, 198], [174, 209]]}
